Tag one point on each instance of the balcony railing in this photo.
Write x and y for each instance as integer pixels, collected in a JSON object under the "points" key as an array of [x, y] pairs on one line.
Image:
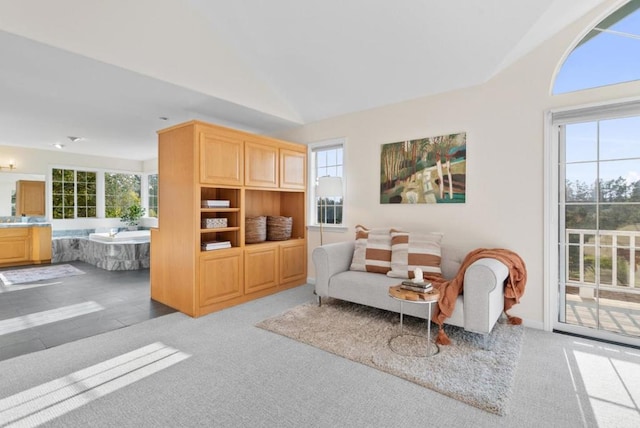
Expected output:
{"points": [[607, 259]]}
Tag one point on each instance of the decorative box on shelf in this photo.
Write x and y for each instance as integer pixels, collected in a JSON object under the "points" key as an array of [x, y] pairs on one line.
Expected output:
{"points": [[213, 223], [214, 245], [215, 203]]}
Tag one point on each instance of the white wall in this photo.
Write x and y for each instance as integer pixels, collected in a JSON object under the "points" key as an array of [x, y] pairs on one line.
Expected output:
{"points": [[34, 161], [504, 122], [150, 166]]}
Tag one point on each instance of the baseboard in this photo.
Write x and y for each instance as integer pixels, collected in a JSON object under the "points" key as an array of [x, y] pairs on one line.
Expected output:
{"points": [[538, 325], [311, 280], [598, 339]]}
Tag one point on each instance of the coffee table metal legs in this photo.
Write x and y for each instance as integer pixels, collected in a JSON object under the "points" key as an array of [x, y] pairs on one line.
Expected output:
{"points": [[429, 353], [429, 334]]}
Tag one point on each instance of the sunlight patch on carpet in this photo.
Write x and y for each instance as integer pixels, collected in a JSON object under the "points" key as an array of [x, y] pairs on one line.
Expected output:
{"points": [[48, 401], [463, 370]]}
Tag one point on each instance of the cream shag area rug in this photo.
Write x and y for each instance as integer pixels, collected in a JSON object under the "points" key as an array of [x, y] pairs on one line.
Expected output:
{"points": [[21, 276], [463, 370]]}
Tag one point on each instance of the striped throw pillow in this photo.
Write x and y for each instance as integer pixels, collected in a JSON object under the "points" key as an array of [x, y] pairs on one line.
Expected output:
{"points": [[411, 250], [358, 262], [378, 253], [372, 252]]}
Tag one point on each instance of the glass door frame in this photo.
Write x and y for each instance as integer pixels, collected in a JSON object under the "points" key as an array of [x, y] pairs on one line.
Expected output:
{"points": [[554, 256]]}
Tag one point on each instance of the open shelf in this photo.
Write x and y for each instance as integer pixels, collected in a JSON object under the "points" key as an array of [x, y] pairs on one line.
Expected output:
{"points": [[277, 203], [219, 229], [219, 210], [230, 232]]}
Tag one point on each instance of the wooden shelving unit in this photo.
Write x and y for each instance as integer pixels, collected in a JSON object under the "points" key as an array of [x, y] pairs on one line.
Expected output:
{"points": [[258, 176]]}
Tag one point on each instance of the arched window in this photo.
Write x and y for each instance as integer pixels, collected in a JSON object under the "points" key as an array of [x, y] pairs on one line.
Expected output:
{"points": [[608, 54]]}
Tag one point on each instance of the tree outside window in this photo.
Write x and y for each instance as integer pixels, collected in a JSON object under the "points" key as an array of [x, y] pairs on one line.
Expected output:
{"points": [[120, 191], [153, 195], [73, 189], [86, 194]]}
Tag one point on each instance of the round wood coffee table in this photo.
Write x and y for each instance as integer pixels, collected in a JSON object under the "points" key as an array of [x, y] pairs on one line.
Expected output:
{"points": [[413, 297]]}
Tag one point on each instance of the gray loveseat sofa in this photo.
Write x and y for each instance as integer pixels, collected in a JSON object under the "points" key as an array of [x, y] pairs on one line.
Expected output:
{"points": [[476, 310]]}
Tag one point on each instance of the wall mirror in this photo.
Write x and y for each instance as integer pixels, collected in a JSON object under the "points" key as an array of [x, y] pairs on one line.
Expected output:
{"points": [[8, 190]]}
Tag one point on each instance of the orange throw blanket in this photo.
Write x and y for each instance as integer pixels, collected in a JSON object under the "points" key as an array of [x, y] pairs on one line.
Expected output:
{"points": [[449, 290]]}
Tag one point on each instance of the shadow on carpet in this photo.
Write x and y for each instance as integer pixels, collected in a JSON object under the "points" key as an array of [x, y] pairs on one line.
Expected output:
{"points": [[463, 370]]}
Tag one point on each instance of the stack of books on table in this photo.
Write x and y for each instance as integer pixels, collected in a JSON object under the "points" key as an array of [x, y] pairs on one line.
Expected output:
{"points": [[215, 203], [419, 287], [215, 245]]}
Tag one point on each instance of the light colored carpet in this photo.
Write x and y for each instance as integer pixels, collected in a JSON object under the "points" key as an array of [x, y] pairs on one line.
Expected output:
{"points": [[242, 376], [463, 370], [21, 276]]}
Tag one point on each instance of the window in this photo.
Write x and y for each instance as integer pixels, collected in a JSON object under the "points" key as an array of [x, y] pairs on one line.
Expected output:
{"points": [[327, 160], [599, 218], [608, 54], [153, 195], [73, 189], [120, 191], [86, 193]]}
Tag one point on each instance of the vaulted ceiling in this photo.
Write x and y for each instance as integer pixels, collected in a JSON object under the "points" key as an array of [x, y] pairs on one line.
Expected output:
{"points": [[108, 71]]}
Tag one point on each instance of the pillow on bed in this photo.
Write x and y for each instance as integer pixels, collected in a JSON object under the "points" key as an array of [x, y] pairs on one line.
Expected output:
{"points": [[410, 250]]}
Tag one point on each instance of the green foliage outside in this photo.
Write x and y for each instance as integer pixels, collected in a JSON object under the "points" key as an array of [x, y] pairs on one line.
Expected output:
{"points": [[67, 184], [606, 268], [120, 192], [329, 211], [153, 195], [86, 194], [619, 205], [132, 214], [601, 206], [74, 193]]}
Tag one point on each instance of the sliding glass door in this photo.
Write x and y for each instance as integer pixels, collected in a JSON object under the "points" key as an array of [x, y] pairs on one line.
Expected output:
{"points": [[599, 226]]}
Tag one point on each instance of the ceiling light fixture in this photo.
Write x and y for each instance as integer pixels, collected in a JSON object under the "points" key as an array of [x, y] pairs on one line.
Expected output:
{"points": [[74, 139], [58, 145], [163, 118]]}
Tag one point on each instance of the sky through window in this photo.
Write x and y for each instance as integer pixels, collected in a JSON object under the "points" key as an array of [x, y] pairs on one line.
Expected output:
{"points": [[607, 55]]}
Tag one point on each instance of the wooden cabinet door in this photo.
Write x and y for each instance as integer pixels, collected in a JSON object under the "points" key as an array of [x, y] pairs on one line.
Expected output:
{"points": [[260, 268], [293, 262], [155, 273], [15, 245], [41, 244], [221, 159], [29, 198], [293, 169], [261, 165], [220, 276]]}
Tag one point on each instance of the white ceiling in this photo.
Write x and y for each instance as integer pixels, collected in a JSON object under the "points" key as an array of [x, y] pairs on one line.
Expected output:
{"points": [[107, 70]]}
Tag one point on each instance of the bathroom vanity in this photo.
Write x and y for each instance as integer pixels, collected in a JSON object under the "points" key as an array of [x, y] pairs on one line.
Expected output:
{"points": [[25, 244]]}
